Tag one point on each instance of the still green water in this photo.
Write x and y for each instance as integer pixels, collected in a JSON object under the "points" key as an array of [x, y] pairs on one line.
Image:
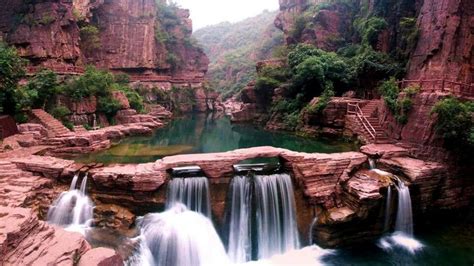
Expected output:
{"points": [[204, 134]]}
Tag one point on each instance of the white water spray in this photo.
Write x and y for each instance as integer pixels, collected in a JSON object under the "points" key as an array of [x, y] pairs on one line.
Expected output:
{"points": [[73, 209], [179, 237], [276, 215], [388, 209], [192, 192], [240, 247], [403, 235]]}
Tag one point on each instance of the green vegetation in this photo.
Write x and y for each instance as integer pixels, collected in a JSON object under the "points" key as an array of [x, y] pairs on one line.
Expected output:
{"points": [[234, 49], [93, 83], [322, 103], [455, 123], [46, 19], [399, 105], [409, 33], [101, 84], [43, 89], [369, 29], [109, 107], [11, 71], [169, 32], [61, 113], [90, 38]]}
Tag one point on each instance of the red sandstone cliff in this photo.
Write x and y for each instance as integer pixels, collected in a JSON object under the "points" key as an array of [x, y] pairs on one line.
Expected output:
{"points": [[446, 45], [48, 34]]}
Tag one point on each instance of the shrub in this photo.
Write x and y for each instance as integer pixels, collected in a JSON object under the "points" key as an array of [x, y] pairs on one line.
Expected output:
{"points": [[455, 122], [46, 19], [93, 83], [265, 86], [11, 71], [90, 39], [135, 100], [109, 107], [60, 112], [45, 86], [323, 101], [400, 107], [291, 120], [369, 29]]}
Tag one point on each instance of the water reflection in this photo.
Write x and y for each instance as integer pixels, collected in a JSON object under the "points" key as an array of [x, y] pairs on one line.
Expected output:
{"points": [[208, 133]]}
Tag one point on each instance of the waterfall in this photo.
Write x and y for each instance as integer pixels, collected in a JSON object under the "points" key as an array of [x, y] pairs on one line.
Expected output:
{"points": [[192, 192], [74, 182], [404, 222], [179, 237], [403, 235], [372, 164], [84, 185], [311, 230], [276, 216], [240, 248], [263, 205], [72, 209], [388, 208]]}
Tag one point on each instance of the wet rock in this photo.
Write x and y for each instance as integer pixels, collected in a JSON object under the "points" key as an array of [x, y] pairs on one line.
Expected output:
{"points": [[101, 257], [384, 150]]}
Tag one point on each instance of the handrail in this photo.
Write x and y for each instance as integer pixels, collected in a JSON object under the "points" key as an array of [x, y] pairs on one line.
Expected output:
{"points": [[364, 121], [458, 88]]}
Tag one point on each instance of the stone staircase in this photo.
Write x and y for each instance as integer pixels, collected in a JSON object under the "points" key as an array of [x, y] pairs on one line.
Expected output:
{"points": [[53, 125], [368, 122]]}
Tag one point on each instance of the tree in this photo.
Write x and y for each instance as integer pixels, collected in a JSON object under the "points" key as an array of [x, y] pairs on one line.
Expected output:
{"points": [[45, 87], [11, 71]]}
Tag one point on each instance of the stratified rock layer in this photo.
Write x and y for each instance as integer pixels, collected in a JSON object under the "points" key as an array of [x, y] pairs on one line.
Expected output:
{"points": [[445, 45], [24, 240]]}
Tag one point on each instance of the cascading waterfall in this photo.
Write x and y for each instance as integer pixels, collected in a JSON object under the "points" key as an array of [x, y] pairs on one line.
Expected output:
{"points": [[403, 235], [73, 209], [240, 248], [192, 192], [179, 237], [311, 230], [270, 198], [404, 222], [276, 216], [388, 208]]}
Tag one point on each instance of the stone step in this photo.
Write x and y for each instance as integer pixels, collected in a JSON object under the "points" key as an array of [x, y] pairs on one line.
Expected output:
{"points": [[52, 124]]}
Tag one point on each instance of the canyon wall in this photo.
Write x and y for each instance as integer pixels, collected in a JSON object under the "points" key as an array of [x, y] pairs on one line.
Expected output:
{"points": [[446, 43], [148, 40]]}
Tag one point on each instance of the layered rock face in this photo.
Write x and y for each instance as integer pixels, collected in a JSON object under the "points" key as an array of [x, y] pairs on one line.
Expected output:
{"points": [[127, 32], [24, 240], [445, 47], [45, 32], [60, 35]]}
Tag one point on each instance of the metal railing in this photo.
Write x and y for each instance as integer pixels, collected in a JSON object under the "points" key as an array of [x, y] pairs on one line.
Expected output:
{"points": [[444, 85], [354, 109]]}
